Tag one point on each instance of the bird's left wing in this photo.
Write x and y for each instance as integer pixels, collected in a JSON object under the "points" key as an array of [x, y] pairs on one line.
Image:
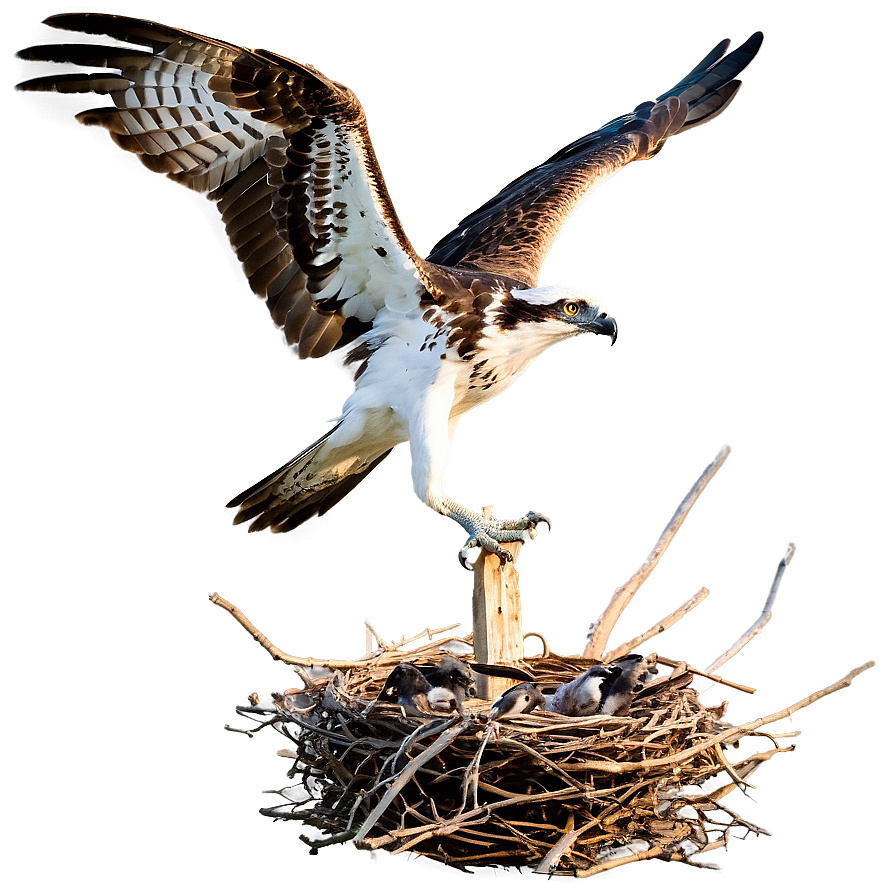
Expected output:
{"points": [[512, 233], [282, 149]]}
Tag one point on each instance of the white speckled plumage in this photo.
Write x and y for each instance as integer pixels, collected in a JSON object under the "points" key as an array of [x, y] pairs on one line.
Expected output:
{"points": [[285, 153]]}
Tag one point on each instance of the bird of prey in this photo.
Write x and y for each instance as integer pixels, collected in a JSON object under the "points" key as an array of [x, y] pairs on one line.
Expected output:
{"points": [[407, 686], [582, 696], [454, 675], [620, 689], [603, 689], [285, 154], [518, 700]]}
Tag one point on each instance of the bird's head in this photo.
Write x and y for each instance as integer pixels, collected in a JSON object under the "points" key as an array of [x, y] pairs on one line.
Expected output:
{"points": [[459, 674], [553, 313], [520, 699]]}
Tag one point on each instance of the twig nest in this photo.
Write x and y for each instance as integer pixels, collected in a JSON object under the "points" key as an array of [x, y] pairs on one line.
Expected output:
{"points": [[558, 794]]}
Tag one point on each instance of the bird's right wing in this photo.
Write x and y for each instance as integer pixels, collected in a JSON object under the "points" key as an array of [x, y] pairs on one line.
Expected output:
{"points": [[512, 233], [282, 149]]}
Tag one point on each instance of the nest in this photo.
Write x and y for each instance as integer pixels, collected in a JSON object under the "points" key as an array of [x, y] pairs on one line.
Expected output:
{"points": [[557, 794], [550, 792]]}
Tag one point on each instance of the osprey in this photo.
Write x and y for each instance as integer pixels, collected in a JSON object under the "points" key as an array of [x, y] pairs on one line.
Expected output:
{"points": [[456, 676], [519, 700], [407, 686], [285, 153], [601, 690]]}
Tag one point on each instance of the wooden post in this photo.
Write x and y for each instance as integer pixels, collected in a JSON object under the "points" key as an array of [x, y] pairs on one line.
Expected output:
{"points": [[497, 617]]}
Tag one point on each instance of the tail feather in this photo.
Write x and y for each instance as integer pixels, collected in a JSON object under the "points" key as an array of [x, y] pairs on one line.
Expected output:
{"points": [[280, 503]]}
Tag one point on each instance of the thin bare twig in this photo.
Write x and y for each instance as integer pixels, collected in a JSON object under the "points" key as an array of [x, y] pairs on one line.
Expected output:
{"points": [[389, 654], [599, 632], [271, 648], [732, 772], [661, 626], [426, 633], [763, 619], [381, 643], [471, 774], [685, 667]]}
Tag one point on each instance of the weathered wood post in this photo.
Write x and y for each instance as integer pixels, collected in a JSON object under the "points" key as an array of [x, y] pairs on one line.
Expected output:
{"points": [[497, 616]]}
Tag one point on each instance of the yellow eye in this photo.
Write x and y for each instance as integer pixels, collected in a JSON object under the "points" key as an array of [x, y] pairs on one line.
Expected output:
{"points": [[571, 308]]}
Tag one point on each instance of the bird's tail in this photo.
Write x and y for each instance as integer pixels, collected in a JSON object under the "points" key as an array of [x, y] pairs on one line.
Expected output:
{"points": [[304, 487]]}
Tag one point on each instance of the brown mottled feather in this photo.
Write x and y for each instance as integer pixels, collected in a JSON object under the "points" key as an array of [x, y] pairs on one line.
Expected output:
{"points": [[512, 233], [272, 142], [285, 154]]}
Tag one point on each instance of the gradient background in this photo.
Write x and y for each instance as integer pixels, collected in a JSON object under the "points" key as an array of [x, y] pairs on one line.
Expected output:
{"points": [[146, 386]]}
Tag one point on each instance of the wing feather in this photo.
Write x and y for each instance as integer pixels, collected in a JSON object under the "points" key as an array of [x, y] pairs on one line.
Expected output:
{"points": [[282, 150], [512, 233]]}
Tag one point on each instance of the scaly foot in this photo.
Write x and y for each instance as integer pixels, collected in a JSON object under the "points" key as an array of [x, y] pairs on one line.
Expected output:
{"points": [[490, 534]]}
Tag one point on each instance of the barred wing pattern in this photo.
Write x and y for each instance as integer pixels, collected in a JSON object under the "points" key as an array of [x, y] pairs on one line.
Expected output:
{"points": [[513, 232], [283, 150]]}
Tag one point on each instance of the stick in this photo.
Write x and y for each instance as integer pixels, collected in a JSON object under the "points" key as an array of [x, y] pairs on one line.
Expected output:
{"points": [[540, 757], [729, 734], [549, 863], [373, 635], [659, 628], [651, 853], [271, 648], [407, 773], [471, 775], [732, 772], [426, 633], [763, 619], [716, 678], [599, 632]]}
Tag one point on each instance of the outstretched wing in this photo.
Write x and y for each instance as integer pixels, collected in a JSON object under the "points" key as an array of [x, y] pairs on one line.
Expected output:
{"points": [[512, 233], [283, 150]]}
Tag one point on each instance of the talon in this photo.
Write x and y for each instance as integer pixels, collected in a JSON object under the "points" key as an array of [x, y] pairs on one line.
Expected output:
{"points": [[535, 518], [489, 534], [469, 544], [503, 555]]}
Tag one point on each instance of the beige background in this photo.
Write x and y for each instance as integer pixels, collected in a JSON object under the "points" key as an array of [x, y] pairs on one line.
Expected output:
{"points": [[145, 386]]}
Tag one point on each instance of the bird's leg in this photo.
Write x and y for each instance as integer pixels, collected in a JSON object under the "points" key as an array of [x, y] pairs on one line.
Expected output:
{"points": [[431, 430], [524, 525], [485, 533]]}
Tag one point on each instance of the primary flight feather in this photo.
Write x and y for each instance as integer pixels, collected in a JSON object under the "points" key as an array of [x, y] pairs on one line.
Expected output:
{"points": [[284, 152]]}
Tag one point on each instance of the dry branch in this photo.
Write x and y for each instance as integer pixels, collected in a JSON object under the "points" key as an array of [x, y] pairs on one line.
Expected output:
{"points": [[599, 632], [764, 616], [386, 655], [657, 629], [677, 664]]}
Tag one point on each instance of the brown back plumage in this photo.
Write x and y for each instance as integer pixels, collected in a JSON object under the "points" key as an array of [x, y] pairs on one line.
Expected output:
{"points": [[512, 233]]}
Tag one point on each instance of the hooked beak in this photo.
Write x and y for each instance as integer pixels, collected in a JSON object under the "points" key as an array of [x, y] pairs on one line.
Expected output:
{"points": [[603, 325]]}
